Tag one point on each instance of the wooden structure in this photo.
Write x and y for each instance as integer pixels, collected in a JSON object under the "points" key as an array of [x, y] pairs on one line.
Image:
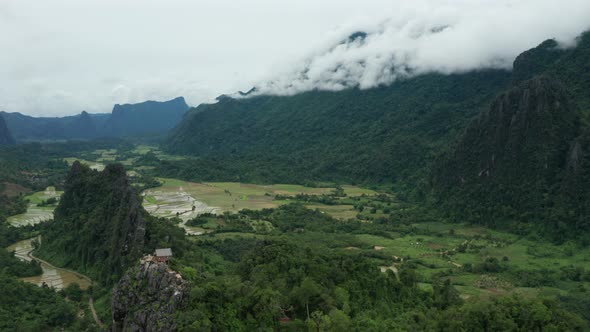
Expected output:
{"points": [[163, 255]]}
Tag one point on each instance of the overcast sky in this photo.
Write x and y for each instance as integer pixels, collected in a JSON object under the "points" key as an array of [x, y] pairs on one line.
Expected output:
{"points": [[60, 57]]}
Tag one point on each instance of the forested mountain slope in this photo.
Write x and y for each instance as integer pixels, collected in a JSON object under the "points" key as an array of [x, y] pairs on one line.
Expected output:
{"points": [[382, 135], [5, 135], [526, 157]]}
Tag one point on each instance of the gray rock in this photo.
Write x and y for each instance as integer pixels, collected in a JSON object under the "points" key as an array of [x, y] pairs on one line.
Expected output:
{"points": [[147, 297]]}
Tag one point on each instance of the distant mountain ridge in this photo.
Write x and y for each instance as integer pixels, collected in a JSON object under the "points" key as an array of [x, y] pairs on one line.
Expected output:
{"points": [[150, 117], [5, 135], [146, 117]]}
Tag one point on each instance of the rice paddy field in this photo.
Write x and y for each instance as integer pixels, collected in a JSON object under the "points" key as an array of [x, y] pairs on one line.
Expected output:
{"points": [[36, 214], [218, 197], [92, 164], [52, 276]]}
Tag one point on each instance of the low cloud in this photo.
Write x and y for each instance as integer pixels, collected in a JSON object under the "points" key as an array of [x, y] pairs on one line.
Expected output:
{"points": [[428, 36]]}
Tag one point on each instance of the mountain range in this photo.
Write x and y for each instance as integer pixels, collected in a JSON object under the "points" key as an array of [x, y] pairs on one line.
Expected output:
{"points": [[150, 117], [478, 142]]}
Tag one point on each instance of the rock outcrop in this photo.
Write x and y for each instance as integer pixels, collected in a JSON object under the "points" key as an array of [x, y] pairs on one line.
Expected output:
{"points": [[147, 297], [100, 225]]}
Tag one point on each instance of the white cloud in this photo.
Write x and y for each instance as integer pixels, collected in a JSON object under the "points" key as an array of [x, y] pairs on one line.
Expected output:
{"points": [[428, 36]]}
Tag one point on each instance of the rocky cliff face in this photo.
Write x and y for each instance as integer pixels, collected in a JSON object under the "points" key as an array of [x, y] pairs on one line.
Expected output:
{"points": [[5, 135], [147, 297]]}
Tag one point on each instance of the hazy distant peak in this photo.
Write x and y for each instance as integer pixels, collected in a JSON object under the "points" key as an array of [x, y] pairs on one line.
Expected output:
{"points": [[5, 135], [175, 101]]}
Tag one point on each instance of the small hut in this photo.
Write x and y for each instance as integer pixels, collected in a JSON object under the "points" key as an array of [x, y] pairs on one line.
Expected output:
{"points": [[163, 255]]}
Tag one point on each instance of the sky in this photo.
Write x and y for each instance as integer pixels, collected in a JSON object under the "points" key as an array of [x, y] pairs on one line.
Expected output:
{"points": [[59, 57]]}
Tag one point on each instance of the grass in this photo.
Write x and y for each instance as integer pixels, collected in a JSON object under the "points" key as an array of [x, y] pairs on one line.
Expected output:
{"points": [[522, 254], [357, 191], [341, 211], [234, 196]]}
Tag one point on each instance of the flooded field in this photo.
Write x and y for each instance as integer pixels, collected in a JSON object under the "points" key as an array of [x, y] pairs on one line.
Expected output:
{"points": [[234, 196], [95, 165], [179, 203], [52, 276], [36, 214]]}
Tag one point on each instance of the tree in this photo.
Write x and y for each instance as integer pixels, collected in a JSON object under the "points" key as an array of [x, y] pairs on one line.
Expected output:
{"points": [[305, 292], [446, 295], [73, 292]]}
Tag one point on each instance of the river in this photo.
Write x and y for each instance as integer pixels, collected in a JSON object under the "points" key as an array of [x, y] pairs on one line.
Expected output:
{"points": [[52, 276]]}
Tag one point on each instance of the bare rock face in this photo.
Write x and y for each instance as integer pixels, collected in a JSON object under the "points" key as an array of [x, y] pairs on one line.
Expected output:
{"points": [[147, 297]]}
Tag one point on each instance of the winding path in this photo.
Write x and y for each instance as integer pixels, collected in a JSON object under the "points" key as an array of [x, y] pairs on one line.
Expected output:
{"points": [[96, 319]]}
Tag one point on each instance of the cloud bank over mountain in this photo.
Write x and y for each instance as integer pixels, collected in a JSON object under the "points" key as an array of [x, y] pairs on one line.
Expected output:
{"points": [[431, 36]]}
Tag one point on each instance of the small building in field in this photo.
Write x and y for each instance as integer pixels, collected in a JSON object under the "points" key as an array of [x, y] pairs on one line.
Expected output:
{"points": [[163, 255]]}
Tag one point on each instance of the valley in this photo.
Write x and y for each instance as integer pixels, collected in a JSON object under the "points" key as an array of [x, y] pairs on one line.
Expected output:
{"points": [[440, 202], [481, 262], [393, 235]]}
